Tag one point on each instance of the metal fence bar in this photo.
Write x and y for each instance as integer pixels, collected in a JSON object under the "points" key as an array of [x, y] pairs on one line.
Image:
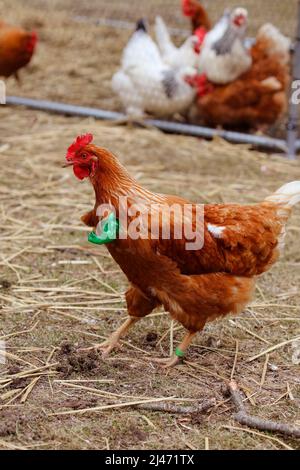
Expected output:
{"points": [[292, 124], [166, 126], [122, 24]]}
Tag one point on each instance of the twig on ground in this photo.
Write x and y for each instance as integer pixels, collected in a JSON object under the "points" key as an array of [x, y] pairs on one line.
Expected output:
{"points": [[235, 359], [264, 372], [170, 408], [29, 389], [272, 348], [17, 333], [116, 405], [242, 417], [255, 433]]}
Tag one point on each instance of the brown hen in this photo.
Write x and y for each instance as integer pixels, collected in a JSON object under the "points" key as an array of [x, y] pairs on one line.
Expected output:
{"points": [[16, 49], [194, 10], [258, 98], [194, 286]]}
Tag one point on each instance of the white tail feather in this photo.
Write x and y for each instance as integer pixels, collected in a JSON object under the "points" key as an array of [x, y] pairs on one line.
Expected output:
{"points": [[285, 198], [279, 44], [163, 37], [288, 195]]}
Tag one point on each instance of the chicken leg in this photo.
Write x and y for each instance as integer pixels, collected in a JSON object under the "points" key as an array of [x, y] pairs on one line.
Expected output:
{"points": [[113, 341], [180, 352]]}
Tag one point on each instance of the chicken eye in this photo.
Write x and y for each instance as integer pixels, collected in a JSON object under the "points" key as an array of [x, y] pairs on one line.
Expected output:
{"points": [[84, 156]]}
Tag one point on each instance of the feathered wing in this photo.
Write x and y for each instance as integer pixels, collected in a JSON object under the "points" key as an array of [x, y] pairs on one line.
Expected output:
{"points": [[224, 57], [176, 57], [238, 240], [163, 37], [193, 286]]}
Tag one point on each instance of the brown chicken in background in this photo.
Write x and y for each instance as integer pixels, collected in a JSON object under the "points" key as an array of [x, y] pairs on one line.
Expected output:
{"points": [[197, 13], [258, 97], [16, 49], [194, 286]]}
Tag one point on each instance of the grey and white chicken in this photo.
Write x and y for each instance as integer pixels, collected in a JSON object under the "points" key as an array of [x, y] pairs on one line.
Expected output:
{"points": [[224, 56], [185, 55], [145, 83]]}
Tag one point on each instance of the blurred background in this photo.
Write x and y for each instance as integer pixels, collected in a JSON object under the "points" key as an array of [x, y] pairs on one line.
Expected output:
{"points": [[78, 53]]}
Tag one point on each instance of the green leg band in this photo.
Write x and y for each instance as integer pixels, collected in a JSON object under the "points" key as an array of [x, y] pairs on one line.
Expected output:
{"points": [[179, 353]]}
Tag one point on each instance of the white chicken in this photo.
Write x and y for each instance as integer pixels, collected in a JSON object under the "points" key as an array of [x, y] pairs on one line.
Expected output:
{"points": [[145, 83], [185, 55], [224, 56], [274, 42]]}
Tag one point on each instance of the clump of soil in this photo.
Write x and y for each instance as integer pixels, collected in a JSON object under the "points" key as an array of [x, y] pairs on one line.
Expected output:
{"points": [[19, 383], [129, 436], [8, 422], [151, 337], [5, 284], [79, 403], [72, 360], [14, 370]]}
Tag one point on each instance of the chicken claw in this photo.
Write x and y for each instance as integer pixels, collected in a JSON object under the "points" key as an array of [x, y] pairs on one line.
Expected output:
{"points": [[106, 347], [179, 353], [112, 342]]}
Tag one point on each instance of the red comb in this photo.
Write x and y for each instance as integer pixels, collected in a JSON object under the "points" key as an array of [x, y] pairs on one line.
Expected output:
{"points": [[79, 144], [187, 8]]}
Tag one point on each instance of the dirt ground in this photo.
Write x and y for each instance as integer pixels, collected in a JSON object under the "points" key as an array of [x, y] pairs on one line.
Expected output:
{"points": [[58, 293]]}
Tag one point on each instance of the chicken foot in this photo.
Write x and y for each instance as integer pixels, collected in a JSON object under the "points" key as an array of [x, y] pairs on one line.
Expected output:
{"points": [[179, 354], [113, 341]]}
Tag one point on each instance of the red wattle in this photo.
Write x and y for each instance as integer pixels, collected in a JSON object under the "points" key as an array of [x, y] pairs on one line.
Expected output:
{"points": [[81, 172]]}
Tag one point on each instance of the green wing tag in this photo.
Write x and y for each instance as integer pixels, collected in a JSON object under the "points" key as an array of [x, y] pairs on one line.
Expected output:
{"points": [[109, 231]]}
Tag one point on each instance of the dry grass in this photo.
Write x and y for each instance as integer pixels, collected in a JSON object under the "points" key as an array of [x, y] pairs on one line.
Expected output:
{"points": [[57, 292]]}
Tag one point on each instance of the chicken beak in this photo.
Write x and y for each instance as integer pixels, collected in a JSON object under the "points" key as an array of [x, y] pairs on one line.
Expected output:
{"points": [[65, 165]]}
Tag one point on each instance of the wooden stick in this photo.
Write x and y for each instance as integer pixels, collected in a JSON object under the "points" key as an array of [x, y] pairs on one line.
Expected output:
{"points": [[117, 405], [10, 445], [235, 359], [29, 389], [170, 408], [242, 417], [265, 368], [255, 335], [274, 439], [17, 333]]}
